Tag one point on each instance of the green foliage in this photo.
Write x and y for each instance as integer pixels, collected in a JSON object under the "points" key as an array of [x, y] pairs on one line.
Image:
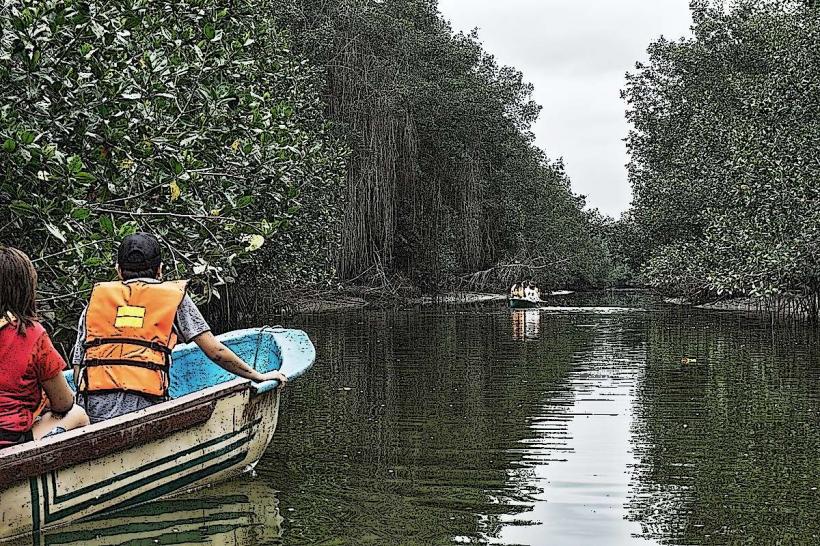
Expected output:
{"points": [[622, 242], [197, 123], [178, 117], [724, 163], [444, 179]]}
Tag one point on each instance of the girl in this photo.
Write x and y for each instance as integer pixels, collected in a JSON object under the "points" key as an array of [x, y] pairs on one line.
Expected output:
{"points": [[29, 364]]}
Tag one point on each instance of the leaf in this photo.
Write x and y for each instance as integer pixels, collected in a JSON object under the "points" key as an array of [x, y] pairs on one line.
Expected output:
{"points": [[21, 206], [85, 177], [80, 214], [75, 164], [9, 145], [187, 140], [244, 201], [175, 190], [54, 230], [107, 224], [131, 96], [209, 31], [26, 137], [126, 229], [255, 242]]}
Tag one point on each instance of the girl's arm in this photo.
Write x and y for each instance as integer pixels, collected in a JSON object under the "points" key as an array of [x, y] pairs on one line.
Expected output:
{"points": [[60, 395]]}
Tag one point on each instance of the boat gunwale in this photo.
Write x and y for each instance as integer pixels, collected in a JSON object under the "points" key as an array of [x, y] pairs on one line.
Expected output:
{"points": [[524, 303], [66, 449]]}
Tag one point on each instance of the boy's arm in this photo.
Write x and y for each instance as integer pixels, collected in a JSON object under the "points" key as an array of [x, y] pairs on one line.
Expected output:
{"points": [[191, 326], [227, 360]]}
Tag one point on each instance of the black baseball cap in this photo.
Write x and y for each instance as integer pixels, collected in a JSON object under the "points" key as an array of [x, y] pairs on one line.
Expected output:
{"points": [[139, 252]]}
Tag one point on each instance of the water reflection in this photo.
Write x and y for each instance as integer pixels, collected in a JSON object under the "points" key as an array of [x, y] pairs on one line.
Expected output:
{"points": [[428, 444], [441, 427], [728, 447], [526, 324], [243, 512]]}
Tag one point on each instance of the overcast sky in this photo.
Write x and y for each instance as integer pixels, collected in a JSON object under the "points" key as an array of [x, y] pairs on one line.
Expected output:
{"points": [[576, 53]]}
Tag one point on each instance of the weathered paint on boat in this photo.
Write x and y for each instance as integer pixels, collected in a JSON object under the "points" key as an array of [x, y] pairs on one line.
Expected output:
{"points": [[215, 427], [520, 303]]}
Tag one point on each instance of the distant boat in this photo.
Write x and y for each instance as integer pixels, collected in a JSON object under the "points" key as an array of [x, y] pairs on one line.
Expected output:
{"points": [[215, 426], [523, 303]]}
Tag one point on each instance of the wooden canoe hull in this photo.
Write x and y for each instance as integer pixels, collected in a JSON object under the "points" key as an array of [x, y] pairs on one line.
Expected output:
{"points": [[520, 303], [229, 427]]}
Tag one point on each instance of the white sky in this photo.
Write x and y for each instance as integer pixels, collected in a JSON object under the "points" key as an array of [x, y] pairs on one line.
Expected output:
{"points": [[576, 53]]}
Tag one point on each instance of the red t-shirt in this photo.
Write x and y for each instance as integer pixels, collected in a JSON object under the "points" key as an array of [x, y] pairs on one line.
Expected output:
{"points": [[26, 361]]}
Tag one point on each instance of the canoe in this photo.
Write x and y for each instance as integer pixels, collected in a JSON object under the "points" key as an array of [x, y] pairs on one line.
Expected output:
{"points": [[520, 303], [215, 426]]}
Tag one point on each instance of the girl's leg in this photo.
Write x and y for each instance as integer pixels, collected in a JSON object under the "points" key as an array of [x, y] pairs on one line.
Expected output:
{"points": [[75, 418]]}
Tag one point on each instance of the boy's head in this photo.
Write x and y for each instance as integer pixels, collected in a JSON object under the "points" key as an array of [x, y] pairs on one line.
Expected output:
{"points": [[18, 288], [139, 256]]}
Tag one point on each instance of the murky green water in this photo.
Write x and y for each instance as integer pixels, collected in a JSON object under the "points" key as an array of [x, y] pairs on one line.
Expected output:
{"points": [[564, 426]]}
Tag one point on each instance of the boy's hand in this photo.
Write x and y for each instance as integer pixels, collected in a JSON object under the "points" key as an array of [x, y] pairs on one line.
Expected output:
{"points": [[274, 376]]}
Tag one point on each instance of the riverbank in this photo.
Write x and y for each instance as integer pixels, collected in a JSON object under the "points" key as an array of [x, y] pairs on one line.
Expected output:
{"points": [[382, 299], [244, 302], [791, 308]]}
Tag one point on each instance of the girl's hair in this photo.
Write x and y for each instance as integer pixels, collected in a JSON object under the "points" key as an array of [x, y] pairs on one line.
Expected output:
{"points": [[18, 288]]}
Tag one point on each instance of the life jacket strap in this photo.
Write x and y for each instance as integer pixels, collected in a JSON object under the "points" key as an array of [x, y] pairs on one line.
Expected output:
{"points": [[164, 349], [94, 362], [152, 397]]}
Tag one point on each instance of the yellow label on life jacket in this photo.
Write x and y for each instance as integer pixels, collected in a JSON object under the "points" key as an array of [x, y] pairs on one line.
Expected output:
{"points": [[130, 317]]}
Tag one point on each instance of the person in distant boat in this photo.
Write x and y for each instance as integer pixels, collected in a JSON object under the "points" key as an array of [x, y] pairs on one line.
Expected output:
{"points": [[515, 290], [125, 336], [31, 370], [536, 292], [529, 293]]}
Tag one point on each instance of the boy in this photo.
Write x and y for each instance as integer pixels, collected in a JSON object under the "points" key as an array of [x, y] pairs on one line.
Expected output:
{"points": [[126, 334]]}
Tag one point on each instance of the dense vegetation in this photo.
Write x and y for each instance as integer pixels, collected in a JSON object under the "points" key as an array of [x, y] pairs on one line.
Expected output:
{"points": [[444, 179], [724, 164], [192, 122], [382, 148]]}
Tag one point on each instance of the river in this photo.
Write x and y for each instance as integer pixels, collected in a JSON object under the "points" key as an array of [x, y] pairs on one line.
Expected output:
{"points": [[582, 423]]}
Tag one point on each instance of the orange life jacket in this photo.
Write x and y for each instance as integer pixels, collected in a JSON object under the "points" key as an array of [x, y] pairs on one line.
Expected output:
{"points": [[130, 336]]}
